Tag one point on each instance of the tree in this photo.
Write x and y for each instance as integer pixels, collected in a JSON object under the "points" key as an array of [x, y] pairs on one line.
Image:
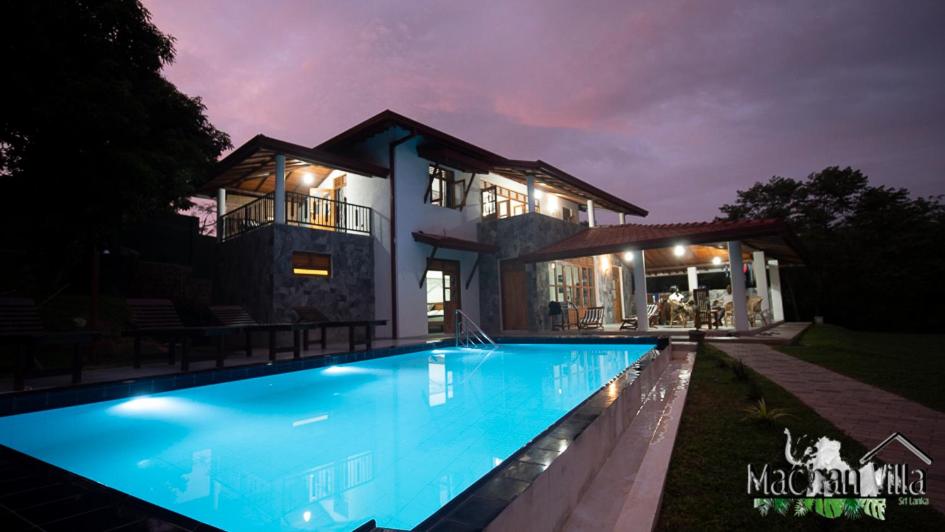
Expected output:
{"points": [[874, 252], [92, 137]]}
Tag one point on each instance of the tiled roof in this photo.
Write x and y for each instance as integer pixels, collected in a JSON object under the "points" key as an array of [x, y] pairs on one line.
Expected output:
{"points": [[616, 238]]}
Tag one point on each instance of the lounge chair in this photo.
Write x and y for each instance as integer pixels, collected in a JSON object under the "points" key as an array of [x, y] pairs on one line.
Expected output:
{"points": [[22, 330], [311, 318], [593, 318], [633, 322], [237, 317], [158, 319]]}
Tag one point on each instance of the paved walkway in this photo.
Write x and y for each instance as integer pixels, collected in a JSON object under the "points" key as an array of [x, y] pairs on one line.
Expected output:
{"points": [[864, 412]]}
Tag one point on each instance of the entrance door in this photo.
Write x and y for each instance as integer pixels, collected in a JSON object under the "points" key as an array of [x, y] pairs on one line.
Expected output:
{"points": [[514, 316], [443, 295]]}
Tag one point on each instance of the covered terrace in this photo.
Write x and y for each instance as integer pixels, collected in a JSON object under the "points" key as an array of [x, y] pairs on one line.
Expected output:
{"points": [[734, 248], [271, 181]]}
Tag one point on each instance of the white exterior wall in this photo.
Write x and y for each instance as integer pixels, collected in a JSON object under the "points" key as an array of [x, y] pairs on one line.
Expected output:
{"points": [[415, 215]]}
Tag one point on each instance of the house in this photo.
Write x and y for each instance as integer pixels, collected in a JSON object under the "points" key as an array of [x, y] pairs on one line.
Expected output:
{"points": [[393, 219]]}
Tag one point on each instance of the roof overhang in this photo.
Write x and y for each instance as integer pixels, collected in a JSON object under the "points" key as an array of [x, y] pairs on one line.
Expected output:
{"points": [[449, 242], [769, 235], [254, 162], [555, 177]]}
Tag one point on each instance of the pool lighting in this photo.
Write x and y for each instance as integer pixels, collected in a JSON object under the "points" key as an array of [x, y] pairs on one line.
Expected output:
{"points": [[679, 250], [310, 420], [716, 261], [306, 516], [628, 256]]}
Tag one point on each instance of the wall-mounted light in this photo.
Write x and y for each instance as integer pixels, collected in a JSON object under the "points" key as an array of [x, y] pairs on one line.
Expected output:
{"points": [[679, 250], [716, 261], [538, 194], [308, 179], [604, 263], [628, 256], [553, 203]]}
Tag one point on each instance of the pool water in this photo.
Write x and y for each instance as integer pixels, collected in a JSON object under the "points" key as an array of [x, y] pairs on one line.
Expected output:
{"points": [[392, 438]]}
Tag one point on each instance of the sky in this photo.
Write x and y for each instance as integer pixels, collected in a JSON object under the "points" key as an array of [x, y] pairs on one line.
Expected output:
{"points": [[672, 105]]}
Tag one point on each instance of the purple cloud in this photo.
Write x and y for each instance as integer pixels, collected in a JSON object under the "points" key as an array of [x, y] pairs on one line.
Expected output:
{"points": [[673, 105]]}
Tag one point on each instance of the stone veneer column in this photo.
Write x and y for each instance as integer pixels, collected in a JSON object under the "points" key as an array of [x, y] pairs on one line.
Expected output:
{"points": [[279, 195]]}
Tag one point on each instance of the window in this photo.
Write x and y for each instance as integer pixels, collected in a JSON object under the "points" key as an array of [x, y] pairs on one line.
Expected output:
{"points": [[500, 202], [311, 264], [572, 282], [443, 189]]}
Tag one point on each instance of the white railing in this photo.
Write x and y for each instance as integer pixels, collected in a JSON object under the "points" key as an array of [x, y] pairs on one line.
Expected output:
{"points": [[468, 334]]}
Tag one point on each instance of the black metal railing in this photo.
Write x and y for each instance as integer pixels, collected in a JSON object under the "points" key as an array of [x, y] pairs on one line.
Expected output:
{"points": [[300, 210], [324, 213], [256, 213]]}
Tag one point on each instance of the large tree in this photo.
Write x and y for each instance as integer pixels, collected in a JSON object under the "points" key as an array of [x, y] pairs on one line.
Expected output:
{"points": [[874, 253], [92, 136]]}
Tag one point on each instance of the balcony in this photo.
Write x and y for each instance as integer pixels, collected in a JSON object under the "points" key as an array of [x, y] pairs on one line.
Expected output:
{"points": [[300, 210]]}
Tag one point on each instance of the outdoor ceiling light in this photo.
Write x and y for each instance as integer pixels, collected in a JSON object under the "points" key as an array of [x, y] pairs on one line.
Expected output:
{"points": [[679, 250], [308, 178], [604, 263], [628, 256], [716, 261]]}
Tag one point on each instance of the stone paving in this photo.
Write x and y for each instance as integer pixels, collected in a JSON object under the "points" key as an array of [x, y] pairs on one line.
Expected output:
{"points": [[865, 413]]}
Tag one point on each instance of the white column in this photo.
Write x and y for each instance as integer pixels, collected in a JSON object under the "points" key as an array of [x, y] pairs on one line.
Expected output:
{"points": [[591, 221], [221, 210], [759, 266], [639, 290], [530, 184], [739, 306], [777, 304], [279, 196], [621, 218], [693, 278]]}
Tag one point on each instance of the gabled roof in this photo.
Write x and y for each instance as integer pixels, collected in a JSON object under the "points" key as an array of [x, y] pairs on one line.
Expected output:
{"points": [[256, 159], [452, 151], [770, 235]]}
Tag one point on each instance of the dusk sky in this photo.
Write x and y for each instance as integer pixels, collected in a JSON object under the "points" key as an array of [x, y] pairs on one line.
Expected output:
{"points": [[671, 105]]}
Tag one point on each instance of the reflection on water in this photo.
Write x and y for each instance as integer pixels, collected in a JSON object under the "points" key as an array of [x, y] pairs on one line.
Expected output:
{"points": [[391, 439]]}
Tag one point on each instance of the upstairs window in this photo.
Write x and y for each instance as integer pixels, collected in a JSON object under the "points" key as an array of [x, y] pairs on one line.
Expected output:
{"points": [[444, 190], [309, 264]]}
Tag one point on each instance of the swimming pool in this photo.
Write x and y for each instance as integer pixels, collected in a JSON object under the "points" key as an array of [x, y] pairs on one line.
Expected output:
{"points": [[391, 439]]}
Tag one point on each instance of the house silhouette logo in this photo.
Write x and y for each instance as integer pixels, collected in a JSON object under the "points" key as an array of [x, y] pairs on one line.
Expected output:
{"points": [[905, 442]]}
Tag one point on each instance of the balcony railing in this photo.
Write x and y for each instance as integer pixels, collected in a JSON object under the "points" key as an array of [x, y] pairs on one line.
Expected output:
{"points": [[300, 210]]}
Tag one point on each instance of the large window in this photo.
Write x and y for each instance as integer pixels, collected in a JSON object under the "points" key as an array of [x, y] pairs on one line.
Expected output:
{"points": [[443, 189], [572, 282], [500, 202]]}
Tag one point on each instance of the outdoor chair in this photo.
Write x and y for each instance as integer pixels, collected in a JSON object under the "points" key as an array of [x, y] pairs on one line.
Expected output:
{"points": [[158, 319], [311, 318], [755, 310], [702, 309], [237, 317], [593, 318], [633, 322], [22, 330]]}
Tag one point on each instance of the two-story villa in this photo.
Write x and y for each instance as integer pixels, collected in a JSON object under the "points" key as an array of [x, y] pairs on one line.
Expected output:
{"points": [[393, 219]]}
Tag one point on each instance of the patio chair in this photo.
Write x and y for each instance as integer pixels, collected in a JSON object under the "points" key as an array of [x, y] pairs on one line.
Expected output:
{"points": [[22, 330], [633, 322], [702, 310], [593, 318], [237, 317], [158, 319], [755, 309]]}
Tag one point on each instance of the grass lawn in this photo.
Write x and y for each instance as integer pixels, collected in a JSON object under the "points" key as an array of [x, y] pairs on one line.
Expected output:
{"points": [[910, 365], [707, 478]]}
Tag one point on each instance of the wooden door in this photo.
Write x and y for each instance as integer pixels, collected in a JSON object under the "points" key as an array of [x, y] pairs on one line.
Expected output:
{"points": [[452, 290], [514, 296]]}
